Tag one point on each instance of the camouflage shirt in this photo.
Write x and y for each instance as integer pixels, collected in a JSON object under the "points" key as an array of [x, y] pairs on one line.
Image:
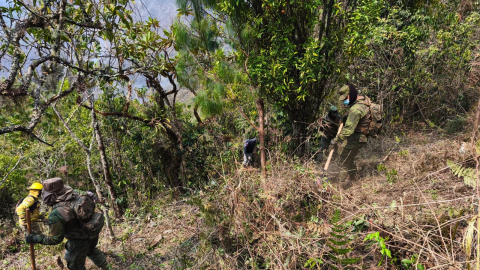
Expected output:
{"points": [[57, 230], [357, 112]]}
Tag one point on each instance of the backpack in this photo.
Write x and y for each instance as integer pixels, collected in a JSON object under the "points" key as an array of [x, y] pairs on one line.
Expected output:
{"points": [[91, 221], [31, 208], [376, 117]]}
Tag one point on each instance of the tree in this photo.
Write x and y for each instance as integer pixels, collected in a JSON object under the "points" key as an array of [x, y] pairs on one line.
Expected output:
{"points": [[48, 35], [291, 50], [205, 54]]}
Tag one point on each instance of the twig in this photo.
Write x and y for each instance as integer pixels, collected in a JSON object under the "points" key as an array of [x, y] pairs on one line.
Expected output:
{"points": [[391, 149]]}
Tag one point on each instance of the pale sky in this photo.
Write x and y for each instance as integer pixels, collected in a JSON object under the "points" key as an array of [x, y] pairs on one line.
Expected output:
{"points": [[164, 10]]}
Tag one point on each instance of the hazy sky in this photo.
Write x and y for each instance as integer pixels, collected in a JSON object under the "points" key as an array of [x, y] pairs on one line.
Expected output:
{"points": [[164, 10]]}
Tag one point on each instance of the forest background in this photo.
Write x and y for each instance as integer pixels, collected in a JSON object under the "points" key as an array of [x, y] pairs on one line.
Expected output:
{"points": [[111, 100]]}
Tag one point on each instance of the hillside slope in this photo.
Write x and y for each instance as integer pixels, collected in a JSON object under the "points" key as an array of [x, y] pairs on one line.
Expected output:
{"points": [[412, 199]]}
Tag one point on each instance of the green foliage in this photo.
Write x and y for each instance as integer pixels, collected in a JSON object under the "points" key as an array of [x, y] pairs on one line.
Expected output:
{"points": [[469, 174], [375, 238], [412, 262], [456, 125], [413, 58], [381, 167], [360, 224], [311, 263], [392, 176], [338, 243], [403, 153]]}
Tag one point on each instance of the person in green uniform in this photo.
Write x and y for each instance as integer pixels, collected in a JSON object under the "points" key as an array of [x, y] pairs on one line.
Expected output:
{"points": [[64, 224], [355, 131]]}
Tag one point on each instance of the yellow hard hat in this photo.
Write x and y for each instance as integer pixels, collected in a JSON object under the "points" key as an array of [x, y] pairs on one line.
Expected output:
{"points": [[36, 186]]}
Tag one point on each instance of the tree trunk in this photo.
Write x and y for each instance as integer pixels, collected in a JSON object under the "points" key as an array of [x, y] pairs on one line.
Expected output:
{"points": [[197, 116], [88, 153], [261, 134], [98, 190], [175, 169], [106, 169]]}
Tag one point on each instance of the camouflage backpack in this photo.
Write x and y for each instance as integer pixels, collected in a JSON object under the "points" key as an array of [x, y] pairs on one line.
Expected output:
{"points": [[82, 208], [376, 117]]}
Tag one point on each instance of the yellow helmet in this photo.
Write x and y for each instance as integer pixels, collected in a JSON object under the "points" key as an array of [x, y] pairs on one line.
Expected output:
{"points": [[36, 186]]}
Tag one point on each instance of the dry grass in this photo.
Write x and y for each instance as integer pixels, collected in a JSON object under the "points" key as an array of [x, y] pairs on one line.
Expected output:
{"points": [[422, 208], [245, 222]]}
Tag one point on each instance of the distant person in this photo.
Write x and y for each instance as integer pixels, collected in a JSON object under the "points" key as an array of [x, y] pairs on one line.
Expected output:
{"points": [[355, 131], [68, 220], [30, 202], [329, 128], [248, 148]]}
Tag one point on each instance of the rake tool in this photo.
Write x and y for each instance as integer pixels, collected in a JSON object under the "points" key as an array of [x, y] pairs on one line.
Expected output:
{"points": [[29, 230]]}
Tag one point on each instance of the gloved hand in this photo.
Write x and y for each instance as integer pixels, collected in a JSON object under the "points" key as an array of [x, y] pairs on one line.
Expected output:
{"points": [[334, 142], [29, 238]]}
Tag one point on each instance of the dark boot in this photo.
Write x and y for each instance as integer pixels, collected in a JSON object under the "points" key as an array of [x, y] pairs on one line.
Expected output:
{"points": [[352, 178], [347, 184]]}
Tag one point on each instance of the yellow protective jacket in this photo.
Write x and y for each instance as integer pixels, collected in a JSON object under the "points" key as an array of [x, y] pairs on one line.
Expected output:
{"points": [[30, 200]]}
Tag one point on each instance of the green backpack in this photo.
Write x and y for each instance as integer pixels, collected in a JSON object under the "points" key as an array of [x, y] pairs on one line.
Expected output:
{"points": [[82, 208], [376, 116]]}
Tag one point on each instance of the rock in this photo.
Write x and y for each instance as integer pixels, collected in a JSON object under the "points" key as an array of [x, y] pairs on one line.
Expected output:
{"points": [[157, 240], [152, 224], [137, 240]]}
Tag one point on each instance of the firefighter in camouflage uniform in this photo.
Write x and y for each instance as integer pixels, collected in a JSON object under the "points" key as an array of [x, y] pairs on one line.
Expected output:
{"points": [[64, 224], [355, 131]]}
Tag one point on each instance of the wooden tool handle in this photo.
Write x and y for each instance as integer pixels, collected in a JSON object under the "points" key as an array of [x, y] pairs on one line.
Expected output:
{"points": [[331, 151], [29, 230]]}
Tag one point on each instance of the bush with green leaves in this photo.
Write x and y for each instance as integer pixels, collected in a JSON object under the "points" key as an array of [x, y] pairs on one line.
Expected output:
{"points": [[420, 61]]}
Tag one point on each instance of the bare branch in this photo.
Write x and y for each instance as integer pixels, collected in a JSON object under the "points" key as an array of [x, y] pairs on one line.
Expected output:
{"points": [[37, 114], [6, 176]]}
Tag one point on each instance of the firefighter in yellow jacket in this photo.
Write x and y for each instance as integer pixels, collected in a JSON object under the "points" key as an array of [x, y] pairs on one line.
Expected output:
{"points": [[31, 202]]}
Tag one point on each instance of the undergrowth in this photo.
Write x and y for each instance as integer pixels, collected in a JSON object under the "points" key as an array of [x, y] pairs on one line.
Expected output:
{"points": [[285, 222]]}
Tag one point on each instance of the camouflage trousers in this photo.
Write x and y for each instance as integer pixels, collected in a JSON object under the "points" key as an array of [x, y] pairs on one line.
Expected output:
{"points": [[346, 159], [78, 250], [247, 159], [324, 145]]}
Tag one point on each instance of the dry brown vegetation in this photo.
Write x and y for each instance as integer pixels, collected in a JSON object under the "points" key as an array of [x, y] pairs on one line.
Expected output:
{"points": [[244, 222]]}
